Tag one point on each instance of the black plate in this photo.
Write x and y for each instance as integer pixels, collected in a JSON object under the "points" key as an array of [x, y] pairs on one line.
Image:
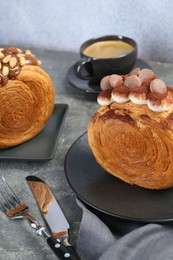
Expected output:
{"points": [[92, 86], [108, 194], [41, 147]]}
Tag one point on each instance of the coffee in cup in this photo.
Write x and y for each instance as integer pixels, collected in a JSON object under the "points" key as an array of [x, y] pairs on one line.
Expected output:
{"points": [[108, 49], [111, 54]]}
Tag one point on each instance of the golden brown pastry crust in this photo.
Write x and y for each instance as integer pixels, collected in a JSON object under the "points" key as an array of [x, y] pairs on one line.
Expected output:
{"points": [[134, 144], [26, 104]]}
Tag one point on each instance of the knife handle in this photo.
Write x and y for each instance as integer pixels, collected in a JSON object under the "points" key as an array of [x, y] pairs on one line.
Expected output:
{"points": [[73, 252], [63, 252]]}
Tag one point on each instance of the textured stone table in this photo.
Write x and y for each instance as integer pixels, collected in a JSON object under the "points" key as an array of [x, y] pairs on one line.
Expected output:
{"points": [[17, 239]]}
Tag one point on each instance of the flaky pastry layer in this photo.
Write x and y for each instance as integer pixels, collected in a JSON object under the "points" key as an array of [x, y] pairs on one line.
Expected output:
{"points": [[26, 104], [134, 144]]}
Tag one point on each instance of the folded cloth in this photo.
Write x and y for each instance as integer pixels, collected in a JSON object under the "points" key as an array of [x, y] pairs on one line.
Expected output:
{"points": [[133, 241]]}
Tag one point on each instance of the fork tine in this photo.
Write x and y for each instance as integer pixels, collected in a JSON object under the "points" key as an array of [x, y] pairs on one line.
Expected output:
{"points": [[7, 202], [11, 194], [3, 205]]}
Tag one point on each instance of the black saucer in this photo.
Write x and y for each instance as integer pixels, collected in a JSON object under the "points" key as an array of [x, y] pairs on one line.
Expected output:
{"points": [[92, 86]]}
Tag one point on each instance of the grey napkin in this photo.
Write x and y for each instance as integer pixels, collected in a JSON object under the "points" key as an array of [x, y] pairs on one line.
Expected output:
{"points": [[128, 241]]}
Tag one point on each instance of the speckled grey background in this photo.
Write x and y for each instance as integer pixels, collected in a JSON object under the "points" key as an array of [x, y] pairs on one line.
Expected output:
{"points": [[65, 24]]}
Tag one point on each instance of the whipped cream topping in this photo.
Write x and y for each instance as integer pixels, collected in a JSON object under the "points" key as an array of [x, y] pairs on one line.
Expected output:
{"points": [[140, 87]]}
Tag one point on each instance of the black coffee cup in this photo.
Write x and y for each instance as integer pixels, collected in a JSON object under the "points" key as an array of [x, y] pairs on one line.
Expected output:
{"points": [[106, 55]]}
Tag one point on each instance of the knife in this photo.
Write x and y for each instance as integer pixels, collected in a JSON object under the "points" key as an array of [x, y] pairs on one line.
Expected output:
{"points": [[54, 218]]}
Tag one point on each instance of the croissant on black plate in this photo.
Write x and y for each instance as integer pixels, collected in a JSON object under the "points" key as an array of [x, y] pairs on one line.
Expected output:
{"points": [[131, 134], [26, 97]]}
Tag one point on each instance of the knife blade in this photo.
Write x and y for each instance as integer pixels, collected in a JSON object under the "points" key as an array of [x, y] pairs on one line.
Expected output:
{"points": [[53, 215]]}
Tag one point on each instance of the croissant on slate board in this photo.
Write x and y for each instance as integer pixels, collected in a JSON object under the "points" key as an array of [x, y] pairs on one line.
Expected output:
{"points": [[26, 97], [131, 134]]}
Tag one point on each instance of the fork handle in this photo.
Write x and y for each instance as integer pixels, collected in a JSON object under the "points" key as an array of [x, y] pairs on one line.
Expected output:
{"points": [[63, 252]]}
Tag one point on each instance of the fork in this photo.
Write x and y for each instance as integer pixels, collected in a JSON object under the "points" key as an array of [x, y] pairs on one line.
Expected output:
{"points": [[15, 208]]}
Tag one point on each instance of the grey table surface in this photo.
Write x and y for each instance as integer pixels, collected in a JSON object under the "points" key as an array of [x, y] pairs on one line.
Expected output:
{"points": [[17, 239]]}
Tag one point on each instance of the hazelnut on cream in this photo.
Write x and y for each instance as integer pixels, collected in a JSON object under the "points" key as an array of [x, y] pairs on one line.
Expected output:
{"points": [[115, 80], [132, 81], [146, 74], [135, 71], [104, 83], [158, 86], [140, 87]]}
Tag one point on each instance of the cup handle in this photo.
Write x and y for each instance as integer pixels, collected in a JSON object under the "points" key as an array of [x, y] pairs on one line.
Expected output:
{"points": [[82, 66]]}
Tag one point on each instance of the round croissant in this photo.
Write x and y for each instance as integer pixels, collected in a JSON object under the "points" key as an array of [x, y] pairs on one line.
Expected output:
{"points": [[26, 98], [134, 142]]}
